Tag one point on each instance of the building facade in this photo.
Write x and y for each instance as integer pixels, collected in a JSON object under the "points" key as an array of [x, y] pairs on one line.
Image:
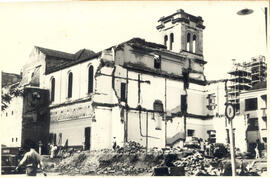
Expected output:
{"points": [[135, 91]]}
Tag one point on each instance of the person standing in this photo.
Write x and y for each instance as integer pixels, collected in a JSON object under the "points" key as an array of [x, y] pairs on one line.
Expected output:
{"points": [[53, 150], [257, 151], [31, 160], [114, 143]]}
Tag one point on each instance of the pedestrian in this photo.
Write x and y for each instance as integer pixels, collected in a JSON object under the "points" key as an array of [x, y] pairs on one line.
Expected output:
{"points": [[53, 150], [31, 160], [114, 143], [257, 151]]}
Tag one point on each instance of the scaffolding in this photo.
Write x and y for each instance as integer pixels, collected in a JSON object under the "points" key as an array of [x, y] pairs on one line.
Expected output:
{"points": [[244, 76], [258, 70]]}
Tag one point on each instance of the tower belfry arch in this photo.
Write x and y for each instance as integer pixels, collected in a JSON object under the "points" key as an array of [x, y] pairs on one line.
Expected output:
{"points": [[182, 32]]}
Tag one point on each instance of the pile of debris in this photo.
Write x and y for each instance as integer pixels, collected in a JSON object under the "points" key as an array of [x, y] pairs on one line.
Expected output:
{"points": [[197, 165], [128, 160], [133, 159]]}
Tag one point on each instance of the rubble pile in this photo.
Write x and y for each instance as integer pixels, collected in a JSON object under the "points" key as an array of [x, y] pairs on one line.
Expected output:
{"points": [[128, 160], [197, 165], [132, 159]]}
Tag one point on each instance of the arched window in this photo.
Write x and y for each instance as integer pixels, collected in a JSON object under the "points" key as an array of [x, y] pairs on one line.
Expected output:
{"points": [[194, 43], [171, 41], [165, 40], [188, 42], [158, 107], [52, 89], [70, 80], [90, 79]]}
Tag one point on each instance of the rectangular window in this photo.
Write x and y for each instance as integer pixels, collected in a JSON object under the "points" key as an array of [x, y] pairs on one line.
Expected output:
{"points": [[12, 139], [251, 104], [157, 61], [190, 133], [123, 92], [183, 103], [253, 124]]}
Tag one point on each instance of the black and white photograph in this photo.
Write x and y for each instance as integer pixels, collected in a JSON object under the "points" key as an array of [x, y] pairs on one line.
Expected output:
{"points": [[132, 88]]}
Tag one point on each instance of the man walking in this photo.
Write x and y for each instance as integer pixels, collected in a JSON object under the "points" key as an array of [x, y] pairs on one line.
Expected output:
{"points": [[31, 160], [257, 150]]}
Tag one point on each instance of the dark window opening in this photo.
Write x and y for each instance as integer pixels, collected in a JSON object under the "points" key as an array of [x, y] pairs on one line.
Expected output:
{"points": [[211, 136], [11, 112], [12, 139], [87, 136], [52, 138], [184, 103], [70, 80], [157, 61], [253, 124], [90, 79], [190, 133], [52, 89], [123, 92], [188, 42], [158, 107], [171, 41], [165, 40], [251, 104]]}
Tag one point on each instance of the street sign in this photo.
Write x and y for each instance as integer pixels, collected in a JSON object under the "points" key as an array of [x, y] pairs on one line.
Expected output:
{"points": [[229, 111]]}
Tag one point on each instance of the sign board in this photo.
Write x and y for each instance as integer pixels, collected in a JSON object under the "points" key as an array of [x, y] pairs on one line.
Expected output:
{"points": [[229, 111]]}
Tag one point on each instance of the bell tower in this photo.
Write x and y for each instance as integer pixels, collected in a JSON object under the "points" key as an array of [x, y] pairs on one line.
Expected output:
{"points": [[182, 32]]}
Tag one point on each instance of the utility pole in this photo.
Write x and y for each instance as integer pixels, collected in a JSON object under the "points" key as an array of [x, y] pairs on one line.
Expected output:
{"points": [[230, 113]]}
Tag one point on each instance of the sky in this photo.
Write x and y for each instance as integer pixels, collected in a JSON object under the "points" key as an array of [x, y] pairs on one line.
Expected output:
{"points": [[70, 26]]}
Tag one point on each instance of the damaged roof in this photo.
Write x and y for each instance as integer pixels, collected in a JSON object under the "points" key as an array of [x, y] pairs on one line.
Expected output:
{"points": [[85, 56], [69, 59], [55, 53], [81, 54], [142, 42]]}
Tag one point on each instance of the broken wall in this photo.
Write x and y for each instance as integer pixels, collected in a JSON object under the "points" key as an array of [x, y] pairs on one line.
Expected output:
{"points": [[34, 69]]}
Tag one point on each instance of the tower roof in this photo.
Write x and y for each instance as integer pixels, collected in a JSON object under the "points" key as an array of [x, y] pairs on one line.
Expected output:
{"points": [[181, 16]]}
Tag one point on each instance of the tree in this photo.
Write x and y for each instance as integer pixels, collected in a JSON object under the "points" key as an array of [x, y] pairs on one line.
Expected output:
{"points": [[12, 91]]}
